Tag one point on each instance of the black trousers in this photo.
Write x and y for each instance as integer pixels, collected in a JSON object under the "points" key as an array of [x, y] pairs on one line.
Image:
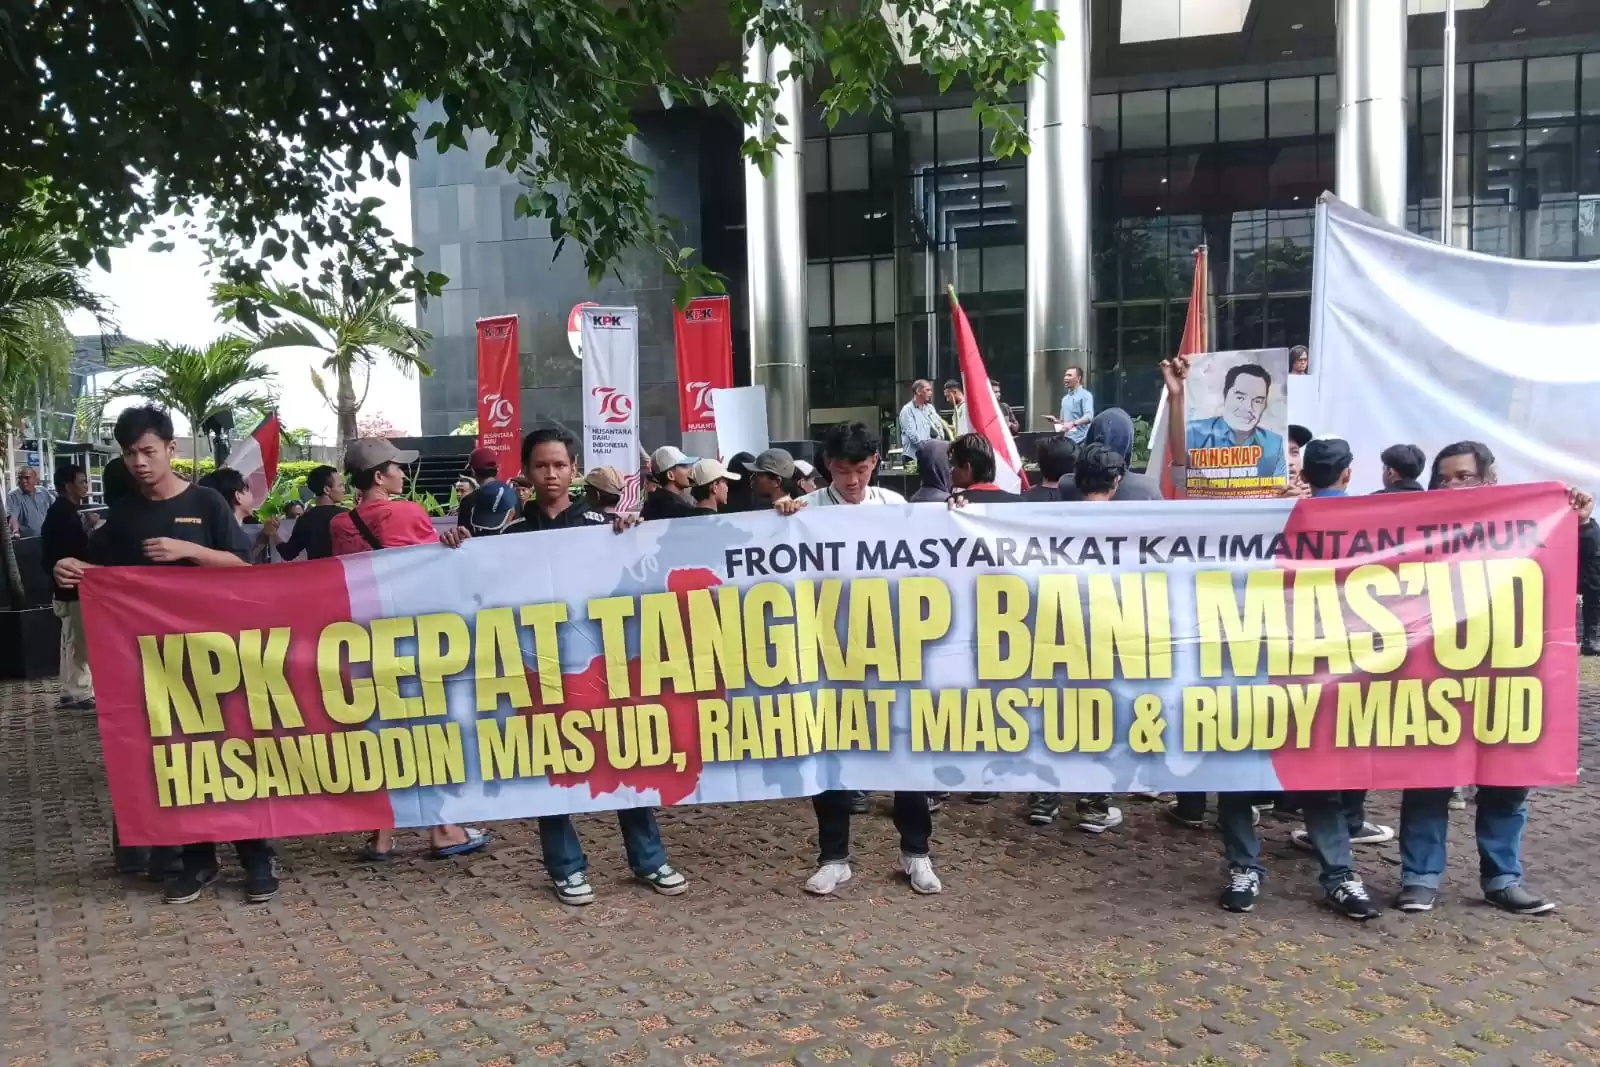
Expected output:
{"points": [[202, 854], [911, 818]]}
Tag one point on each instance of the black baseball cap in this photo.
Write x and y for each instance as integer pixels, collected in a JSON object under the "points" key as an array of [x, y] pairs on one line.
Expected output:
{"points": [[1323, 459]]}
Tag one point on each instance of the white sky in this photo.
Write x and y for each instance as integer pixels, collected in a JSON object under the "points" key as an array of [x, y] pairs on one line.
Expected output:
{"points": [[166, 296]]}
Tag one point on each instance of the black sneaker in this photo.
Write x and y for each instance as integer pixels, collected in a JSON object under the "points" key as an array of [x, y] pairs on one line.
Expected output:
{"points": [[1416, 898], [982, 798], [1043, 808], [261, 884], [1519, 901], [936, 802], [1239, 895], [860, 802], [188, 885], [1350, 898], [1096, 814]]}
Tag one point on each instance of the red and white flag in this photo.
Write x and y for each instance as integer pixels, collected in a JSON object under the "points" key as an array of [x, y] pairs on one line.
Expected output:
{"points": [[1196, 339], [256, 456], [983, 410]]}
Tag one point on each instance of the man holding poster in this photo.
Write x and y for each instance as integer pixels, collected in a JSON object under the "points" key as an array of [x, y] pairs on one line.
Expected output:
{"points": [[1236, 413]]}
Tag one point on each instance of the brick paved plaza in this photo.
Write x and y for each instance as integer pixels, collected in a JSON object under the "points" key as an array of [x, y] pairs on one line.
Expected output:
{"points": [[1047, 946]]}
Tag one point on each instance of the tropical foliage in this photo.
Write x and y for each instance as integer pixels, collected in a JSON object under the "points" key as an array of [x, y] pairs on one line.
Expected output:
{"points": [[354, 328], [39, 286], [196, 383], [128, 111]]}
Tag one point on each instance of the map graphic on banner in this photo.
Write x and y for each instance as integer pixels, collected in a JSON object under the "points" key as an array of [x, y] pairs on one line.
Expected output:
{"points": [[611, 391], [1236, 423], [1409, 640]]}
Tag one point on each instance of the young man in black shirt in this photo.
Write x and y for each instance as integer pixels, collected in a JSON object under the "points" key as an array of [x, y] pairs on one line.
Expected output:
{"points": [[62, 536], [1057, 457], [972, 471], [310, 533], [170, 522], [669, 499], [549, 456]]}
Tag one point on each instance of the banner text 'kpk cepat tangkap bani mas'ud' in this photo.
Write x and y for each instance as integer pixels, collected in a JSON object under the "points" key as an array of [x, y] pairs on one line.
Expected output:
{"points": [[1391, 641]]}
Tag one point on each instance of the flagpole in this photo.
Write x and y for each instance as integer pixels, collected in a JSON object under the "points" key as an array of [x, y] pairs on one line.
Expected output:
{"points": [[1447, 164]]}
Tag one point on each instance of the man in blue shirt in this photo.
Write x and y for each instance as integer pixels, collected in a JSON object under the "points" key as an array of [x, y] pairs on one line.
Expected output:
{"points": [[1077, 406], [1244, 401], [918, 420]]}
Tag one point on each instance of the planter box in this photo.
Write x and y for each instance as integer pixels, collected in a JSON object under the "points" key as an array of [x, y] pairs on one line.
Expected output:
{"points": [[30, 644]]}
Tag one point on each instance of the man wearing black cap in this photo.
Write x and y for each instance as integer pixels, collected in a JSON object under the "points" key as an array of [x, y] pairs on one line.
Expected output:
{"points": [[1325, 466], [1299, 437], [482, 466]]}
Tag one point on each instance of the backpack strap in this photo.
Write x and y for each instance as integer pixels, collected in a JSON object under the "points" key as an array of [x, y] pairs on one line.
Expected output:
{"points": [[364, 530]]}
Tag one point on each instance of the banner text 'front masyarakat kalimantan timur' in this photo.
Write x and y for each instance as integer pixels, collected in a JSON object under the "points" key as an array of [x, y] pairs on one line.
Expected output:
{"points": [[1402, 640]]}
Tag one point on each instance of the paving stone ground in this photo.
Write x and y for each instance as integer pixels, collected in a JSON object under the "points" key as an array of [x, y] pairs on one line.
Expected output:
{"points": [[1047, 946]]}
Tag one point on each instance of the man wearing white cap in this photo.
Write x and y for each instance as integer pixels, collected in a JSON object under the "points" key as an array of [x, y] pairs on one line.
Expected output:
{"points": [[668, 500], [708, 484]]}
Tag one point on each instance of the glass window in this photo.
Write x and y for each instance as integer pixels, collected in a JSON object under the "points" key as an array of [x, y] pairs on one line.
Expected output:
{"points": [[1103, 117], [1427, 106], [1497, 94], [1142, 192], [1289, 246], [1242, 111], [852, 304], [883, 290], [958, 137], [1551, 229], [815, 154], [1552, 87], [1005, 268], [920, 143], [1239, 323], [1247, 260], [1144, 119], [1327, 103], [818, 296], [1496, 166], [1292, 107], [1288, 321], [1292, 175], [1551, 156], [847, 163], [882, 159], [1495, 230], [1589, 227], [1589, 160], [1142, 251], [1191, 182], [1590, 89], [1194, 115]]}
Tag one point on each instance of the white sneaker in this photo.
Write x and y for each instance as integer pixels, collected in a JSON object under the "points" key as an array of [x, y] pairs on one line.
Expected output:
{"points": [[829, 876], [920, 870]]}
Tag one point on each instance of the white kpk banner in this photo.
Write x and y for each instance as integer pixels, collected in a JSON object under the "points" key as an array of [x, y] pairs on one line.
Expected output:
{"points": [[1414, 342], [610, 339]]}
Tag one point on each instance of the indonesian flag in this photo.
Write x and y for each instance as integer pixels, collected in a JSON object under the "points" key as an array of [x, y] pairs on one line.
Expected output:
{"points": [[983, 410], [256, 456], [1196, 339]]}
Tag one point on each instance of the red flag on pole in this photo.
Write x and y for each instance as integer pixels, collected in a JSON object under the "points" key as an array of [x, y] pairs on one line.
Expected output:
{"points": [[983, 410], [256, 456], [1196, 340]]}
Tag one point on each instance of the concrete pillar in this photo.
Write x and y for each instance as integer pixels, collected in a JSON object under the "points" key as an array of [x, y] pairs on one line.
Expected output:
{"points": [[1371, 140], [775, 213], [1059, 238]]}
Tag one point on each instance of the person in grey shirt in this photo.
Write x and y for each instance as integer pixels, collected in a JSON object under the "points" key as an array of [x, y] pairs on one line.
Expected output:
{"points": [[28, 504], [919, 421]]}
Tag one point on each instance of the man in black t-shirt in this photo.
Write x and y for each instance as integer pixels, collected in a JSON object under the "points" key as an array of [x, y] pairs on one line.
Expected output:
{"points": [[972, 471], [170, 522], [310, 534], [1057, 457]]}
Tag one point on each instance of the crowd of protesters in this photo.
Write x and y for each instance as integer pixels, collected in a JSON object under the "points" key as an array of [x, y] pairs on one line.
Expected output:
{"points": [[155, 517]]}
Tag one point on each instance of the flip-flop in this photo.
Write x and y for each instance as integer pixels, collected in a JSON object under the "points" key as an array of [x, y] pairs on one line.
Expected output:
{"points": [[369, 854], [476, 839]]}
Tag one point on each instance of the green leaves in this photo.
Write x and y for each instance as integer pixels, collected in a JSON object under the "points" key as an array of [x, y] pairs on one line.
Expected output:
{"points": [[239, 114]]}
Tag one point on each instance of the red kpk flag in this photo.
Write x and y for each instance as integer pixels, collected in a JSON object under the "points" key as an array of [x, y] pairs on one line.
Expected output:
{"points": [[704, 335], [256, 456], [983, 410], [499, 394]]}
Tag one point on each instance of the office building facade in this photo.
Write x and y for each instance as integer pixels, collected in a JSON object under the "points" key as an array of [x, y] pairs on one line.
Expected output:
{"points": [[1072, 254]]}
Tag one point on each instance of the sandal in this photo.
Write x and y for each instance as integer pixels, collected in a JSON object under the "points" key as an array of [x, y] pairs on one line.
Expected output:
{"points": [[369, 852], [476, 839]]}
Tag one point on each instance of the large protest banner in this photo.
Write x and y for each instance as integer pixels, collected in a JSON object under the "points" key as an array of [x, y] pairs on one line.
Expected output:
{"points": [[1384, 642]]}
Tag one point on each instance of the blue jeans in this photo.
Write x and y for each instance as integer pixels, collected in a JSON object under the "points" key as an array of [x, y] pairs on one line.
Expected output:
{"points": [[641, 839], [1425, 821], [1326, 823]]}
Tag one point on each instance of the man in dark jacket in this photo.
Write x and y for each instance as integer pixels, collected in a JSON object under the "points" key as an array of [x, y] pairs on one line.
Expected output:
{"points": [[669, 499], [1402, 466], [64, 536], [1114, 429]]}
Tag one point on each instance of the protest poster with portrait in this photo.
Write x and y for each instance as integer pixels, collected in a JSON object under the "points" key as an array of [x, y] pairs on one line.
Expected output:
{"points": [[1236, 424]]}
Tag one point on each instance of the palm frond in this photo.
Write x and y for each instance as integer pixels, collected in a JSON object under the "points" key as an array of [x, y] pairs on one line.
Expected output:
{"points": [[199, 382]]}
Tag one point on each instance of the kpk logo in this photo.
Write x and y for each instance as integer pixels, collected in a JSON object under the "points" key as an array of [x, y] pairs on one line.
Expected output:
{"points": [[614, 405], [499, 410], [700, 315], [498, 331], [606, 322], [699, 398]]}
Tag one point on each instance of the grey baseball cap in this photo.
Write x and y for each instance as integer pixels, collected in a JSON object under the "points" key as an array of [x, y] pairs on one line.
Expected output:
{"points": [[370, 453], [774, 461]]}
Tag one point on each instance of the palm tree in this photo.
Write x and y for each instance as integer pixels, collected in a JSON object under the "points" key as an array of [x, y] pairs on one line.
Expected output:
{"points": [[195, 382], [353, 329], [39, 285]]}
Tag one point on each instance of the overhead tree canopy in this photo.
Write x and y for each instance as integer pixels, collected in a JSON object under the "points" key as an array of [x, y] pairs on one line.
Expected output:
{"points": [[242, 113]]}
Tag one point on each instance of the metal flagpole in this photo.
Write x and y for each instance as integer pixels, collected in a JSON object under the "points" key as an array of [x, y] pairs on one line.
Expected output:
{"points": [[1447, 163]]}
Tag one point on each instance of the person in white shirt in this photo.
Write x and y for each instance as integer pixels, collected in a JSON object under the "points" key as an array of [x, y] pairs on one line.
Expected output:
{"points": [[956, 396], [850, 454], [918, 420]]}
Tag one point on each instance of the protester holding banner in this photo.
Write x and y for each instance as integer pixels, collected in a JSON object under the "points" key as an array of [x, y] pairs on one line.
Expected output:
{"points": [[669, 499], [850, 455], [1057, 458], [708, 484], [933, 473], [972, 471], [1402, 466], [312, 533]]}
